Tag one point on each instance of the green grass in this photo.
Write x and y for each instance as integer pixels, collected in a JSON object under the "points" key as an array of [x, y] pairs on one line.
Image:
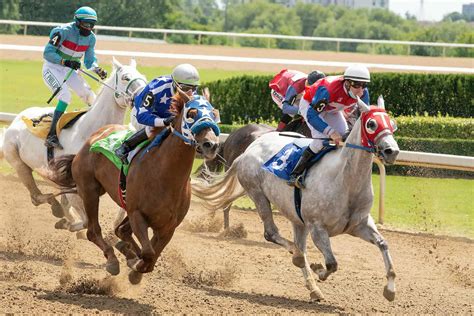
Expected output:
{"points": [[22, 84]]}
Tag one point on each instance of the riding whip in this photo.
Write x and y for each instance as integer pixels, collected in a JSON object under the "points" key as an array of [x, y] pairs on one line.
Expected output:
{"points": [[59, 88], [99, 81]]}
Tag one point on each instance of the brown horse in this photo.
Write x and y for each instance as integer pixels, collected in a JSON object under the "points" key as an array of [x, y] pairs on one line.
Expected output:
{"points": [[158, 184]]}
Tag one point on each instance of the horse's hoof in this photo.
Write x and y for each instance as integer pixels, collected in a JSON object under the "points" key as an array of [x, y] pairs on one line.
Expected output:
{"points": [[298, 261], [135, 277], [113, 267], [62, 224], [57, 209], [81, 235], [389, 295], [316, 295], [76, 227]]}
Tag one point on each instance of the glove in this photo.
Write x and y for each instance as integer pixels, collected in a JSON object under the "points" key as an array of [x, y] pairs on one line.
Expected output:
{"points": [[101, 72], [167, 121], [336, 137], [72, 64]]}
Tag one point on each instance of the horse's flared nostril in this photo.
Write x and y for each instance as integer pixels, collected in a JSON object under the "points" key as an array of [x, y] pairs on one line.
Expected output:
{"points": [[388, 151], [210, 145]]}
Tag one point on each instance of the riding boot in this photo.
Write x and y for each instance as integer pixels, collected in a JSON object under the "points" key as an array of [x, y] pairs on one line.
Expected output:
{"points": [[52, 139], [130, 144], [296, 178]]}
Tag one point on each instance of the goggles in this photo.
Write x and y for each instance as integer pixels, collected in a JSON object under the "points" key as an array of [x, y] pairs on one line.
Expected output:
{"points": [[187, 87], [358, 84], [86, 25]]}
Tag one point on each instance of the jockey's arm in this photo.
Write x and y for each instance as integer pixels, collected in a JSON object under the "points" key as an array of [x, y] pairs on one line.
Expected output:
{"points": [[143, 109], [50, 52], [90, 60], [316, 108], [287, 106]]}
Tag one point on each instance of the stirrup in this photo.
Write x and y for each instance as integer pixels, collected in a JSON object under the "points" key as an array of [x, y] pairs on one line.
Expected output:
{"points": [[122, 153]]}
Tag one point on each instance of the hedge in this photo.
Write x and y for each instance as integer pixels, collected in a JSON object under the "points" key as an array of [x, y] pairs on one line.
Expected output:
{"points": [[247, 99]]}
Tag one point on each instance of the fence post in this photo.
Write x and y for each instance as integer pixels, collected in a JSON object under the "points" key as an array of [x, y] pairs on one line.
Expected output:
{"points": [[302, 45], [25, 29], [129, 33], [164, 36], [444, 51], [338, 46], [409, 50], [199, 39]]}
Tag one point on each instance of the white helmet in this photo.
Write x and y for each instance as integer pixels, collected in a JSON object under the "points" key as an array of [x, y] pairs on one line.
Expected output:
{"points": [[357, 73], [186, 74]]}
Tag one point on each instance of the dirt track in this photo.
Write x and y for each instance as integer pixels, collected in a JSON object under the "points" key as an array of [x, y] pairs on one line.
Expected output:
{"points": [[203, 272], [233, 51]]}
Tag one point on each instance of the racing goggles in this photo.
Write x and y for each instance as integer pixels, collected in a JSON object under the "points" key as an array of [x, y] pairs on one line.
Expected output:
{"points": [[358, 84], [187, 87], [86, 25]]}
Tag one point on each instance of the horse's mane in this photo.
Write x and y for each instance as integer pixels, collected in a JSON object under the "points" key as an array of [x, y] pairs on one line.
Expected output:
{"points": [[177, 104]]}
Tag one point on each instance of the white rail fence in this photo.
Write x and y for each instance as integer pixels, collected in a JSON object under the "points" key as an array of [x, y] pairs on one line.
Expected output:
{"points": [[234, 36], [407, 158]]}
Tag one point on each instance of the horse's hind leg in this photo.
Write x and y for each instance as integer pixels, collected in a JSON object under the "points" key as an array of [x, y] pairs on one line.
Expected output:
{"points": [[368, 232], [265, 212], [140, 229], [300, 260], [25, 173], [320, 238], [94, 232]]}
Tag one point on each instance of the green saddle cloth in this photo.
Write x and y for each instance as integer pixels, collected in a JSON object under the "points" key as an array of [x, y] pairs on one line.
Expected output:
{"points": [[108, 145]]}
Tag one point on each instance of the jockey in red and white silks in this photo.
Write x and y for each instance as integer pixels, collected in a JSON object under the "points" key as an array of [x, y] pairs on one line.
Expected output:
{"points": [[325, 102]]}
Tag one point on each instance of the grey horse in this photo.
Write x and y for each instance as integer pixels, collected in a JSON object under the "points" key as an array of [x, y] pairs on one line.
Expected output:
{"points": [[337, 199]]}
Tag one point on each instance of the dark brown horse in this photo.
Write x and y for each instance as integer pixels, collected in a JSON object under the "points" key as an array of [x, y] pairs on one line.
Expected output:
{"points": [[236, 143], [158, 184]]}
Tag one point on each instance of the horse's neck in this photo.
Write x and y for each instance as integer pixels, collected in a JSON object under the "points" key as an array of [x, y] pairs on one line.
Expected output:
{"points": [[357, 163], [104, 111]]}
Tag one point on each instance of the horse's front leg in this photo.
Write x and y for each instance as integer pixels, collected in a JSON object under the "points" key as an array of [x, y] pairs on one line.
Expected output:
{"points": [[320, 238], [368, 232], [300, 260], [140, 229], [159, 241]]}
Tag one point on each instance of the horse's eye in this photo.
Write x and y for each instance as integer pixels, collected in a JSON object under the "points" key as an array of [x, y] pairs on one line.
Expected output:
{"points": [[191, 113], [126, 77], [371, 126]]}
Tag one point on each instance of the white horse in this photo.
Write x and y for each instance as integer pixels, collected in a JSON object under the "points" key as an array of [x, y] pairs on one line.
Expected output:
{"points": [[337, 198], [26, 152]]}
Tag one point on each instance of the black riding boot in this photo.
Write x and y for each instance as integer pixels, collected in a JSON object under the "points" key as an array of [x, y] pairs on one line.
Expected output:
{"points": [[295, 177], [52, 139], [130, 144]]}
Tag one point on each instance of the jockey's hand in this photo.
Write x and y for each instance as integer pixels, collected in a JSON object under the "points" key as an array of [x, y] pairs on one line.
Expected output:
{"points": [[336, 137], [73, 64], [101, 72], [167, 121]]}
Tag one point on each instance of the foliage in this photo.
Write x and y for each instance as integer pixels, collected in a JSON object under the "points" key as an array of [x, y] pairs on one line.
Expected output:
{"points": [[260, 17], [435, 127]]}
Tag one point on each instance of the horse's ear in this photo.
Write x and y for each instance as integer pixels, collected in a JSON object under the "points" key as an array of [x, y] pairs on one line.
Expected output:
{"points": [[116, 63], [183, 94], [381, 102], [206, 94], [362, 106], [133, 63]]}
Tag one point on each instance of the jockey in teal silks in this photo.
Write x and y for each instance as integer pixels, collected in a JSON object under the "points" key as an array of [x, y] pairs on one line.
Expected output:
{"points": [[152, 104], [67, 45]]}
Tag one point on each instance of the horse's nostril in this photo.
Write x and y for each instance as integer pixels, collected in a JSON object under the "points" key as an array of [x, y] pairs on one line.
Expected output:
{"points": [[207, 145], [388, 151]]}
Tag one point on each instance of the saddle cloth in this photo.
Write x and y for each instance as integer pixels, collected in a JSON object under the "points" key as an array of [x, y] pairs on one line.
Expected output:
{"points": [[285, 160], [40, 126]]}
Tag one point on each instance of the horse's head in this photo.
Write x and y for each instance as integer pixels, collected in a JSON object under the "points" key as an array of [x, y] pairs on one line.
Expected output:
{"points": [[198, 122], [127, 82], [377, 131]]}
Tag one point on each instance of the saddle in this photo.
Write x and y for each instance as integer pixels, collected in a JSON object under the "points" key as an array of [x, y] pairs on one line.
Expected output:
{"points": [[40, 126]]}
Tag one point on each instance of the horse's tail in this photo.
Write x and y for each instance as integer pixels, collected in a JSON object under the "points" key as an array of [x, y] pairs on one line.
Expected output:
{"points": [[221, 191], [2, 140], [60, 171]]}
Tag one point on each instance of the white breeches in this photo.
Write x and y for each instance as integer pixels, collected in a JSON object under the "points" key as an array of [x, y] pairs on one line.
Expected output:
{"points": [[335, 120], [53, 76]]}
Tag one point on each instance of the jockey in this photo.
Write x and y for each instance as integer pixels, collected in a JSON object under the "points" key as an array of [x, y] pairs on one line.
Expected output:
{"points": [[286, 88], [67, 45], [152, 104], [324, 106]]}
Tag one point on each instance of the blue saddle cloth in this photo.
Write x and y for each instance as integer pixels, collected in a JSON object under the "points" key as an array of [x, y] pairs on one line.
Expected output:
{"points": [[284, 161]]}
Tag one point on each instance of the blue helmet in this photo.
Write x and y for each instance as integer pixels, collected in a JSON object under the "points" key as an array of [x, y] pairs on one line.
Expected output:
{"points": [[85, 14]]}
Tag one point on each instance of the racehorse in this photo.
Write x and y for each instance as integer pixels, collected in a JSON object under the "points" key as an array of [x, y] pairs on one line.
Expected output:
{"points": [[337, 198], [158, 183], [25, 152]]}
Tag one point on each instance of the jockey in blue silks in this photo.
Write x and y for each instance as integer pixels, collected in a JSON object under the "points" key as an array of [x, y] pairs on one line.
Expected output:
{"points": [[67, 45], [151, 106]]}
